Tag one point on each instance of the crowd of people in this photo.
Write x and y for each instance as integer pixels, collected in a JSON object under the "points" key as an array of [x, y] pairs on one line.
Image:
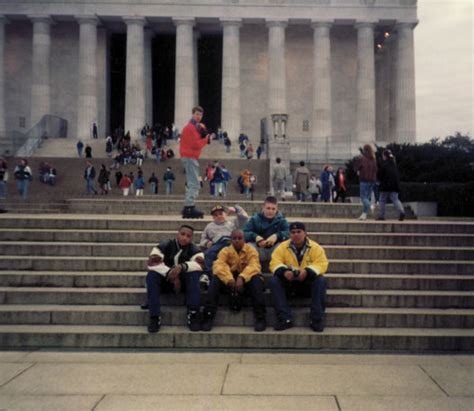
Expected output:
{"points": [[327, 187], [127, 183]]}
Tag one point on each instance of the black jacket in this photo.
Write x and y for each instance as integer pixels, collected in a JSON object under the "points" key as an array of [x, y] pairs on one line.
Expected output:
{"points": [[171, 248], [389, 177]]}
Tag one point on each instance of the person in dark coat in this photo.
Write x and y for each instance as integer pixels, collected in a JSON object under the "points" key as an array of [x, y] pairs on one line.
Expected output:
{"points": [[389, 185]]}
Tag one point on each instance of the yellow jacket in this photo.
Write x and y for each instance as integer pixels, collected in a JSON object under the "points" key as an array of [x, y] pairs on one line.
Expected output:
{"points": [[245, 263], [284, 257]]}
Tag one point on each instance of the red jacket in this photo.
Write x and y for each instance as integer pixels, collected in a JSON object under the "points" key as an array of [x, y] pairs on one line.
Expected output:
{"points": [[125, 182], [191, 142]]}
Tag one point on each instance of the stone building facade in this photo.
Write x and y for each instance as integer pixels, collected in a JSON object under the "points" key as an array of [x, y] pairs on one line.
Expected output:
{"points": [[342, 70]]}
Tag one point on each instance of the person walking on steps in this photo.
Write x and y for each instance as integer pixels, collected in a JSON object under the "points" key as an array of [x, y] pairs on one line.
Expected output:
{"points": [[389, 185], [193, 138]]}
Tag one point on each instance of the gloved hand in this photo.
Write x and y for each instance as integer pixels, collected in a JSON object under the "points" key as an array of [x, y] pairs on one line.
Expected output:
{"points": [[272, 240]]}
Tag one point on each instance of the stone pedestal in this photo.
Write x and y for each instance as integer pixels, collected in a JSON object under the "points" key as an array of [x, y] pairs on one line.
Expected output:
{"points": [[87, 105], [135, 76], [365, 116], [40, 68], [184, 87], [405, 101], [321, 118], [231, 78]]}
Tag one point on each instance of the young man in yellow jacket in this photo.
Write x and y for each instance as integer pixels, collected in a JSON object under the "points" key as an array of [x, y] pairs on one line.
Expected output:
{"points": [[298, 265], [237, 269]]}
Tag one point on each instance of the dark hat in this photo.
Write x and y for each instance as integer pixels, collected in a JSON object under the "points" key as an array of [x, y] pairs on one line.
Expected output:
{"points": [[217, 207], [297, 226]]}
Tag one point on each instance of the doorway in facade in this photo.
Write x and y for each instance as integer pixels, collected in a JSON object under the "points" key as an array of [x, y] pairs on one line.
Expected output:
{"points": [[210, 78]]}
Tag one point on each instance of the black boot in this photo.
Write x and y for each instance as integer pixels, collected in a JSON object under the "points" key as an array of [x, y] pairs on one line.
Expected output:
{"points": [[194, 321], [317, 325], [208, 319], [154, 324], [192, 212], [260, 320]]}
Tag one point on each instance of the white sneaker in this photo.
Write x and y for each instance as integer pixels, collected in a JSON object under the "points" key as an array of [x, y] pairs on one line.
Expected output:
{"points": [[363, 216], [372, 208]]}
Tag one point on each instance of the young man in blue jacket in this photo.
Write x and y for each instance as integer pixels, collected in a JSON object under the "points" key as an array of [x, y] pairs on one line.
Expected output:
{"points": [[267, 229]]}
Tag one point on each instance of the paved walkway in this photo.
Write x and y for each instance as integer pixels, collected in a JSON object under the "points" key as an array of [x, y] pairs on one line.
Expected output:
{"points": [[100, 381]]}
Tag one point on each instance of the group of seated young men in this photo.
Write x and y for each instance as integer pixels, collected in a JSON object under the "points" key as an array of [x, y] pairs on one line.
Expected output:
{"points": [[234, 252]]}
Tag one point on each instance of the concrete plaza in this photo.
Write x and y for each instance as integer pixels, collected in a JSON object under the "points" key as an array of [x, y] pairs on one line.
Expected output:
{"points": [[147, 380]]}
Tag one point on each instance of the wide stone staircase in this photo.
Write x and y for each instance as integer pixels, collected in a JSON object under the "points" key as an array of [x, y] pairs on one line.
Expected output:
{"points": [[76, 280]]}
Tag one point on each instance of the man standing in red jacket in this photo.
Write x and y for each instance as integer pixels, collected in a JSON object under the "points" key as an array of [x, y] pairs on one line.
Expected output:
{"points": [[193, 138]]}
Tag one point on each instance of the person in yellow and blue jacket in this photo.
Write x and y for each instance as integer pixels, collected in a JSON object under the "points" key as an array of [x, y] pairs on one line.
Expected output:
{"points": [[298, 265], [236, 270]]}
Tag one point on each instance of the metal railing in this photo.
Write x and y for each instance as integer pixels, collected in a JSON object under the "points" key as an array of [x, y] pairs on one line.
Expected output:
{"points": [[49, 126]]}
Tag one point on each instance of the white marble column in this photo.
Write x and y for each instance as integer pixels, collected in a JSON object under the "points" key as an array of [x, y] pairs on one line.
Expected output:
{"points": [[184, 82], [365, 116], [230, 112], [149, 34], [40, 86], [196, 36], [3, 129], [87, 104], [405, 104], [135, 76], [321, 118], [276, 67]]}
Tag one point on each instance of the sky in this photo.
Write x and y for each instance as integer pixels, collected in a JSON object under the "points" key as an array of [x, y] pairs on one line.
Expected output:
{"points": [[444, 68]]}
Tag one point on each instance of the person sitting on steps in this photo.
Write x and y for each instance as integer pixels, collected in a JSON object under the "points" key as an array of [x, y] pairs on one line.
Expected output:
{"points": [[173, 265], [237, 270]]}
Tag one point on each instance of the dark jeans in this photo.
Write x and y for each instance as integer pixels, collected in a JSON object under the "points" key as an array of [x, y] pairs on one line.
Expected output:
{"points": [[210, 255], [314, 286], [255, 287], [340, 194], [156, 283]]}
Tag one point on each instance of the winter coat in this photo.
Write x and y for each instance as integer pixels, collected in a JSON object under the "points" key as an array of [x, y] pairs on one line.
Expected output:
{"points": [[284, 257], [389, 177], [191, 142], [302, 175], [366, 168], [245, 263], [169, 253], [261, 226]]}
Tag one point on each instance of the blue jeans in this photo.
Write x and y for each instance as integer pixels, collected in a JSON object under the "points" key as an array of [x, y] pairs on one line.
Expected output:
{"points": [[394, 198], [153, 189], [155, 283], [210, 255], [22, 186], [191, 167], [3, 190], [314, 285], [169, 186], [366, 188], [90, 186]]}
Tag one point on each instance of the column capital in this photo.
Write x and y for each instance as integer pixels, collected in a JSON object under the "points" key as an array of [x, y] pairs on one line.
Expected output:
{"points": [[316, 24], [87, 19], [141, 21], [365, 24], [277, 23], [406, 24], [40, 18], [231, 22], [179, 21]]}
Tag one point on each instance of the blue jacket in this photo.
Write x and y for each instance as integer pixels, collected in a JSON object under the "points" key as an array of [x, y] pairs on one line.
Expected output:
{"points": [[261, 226]]}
